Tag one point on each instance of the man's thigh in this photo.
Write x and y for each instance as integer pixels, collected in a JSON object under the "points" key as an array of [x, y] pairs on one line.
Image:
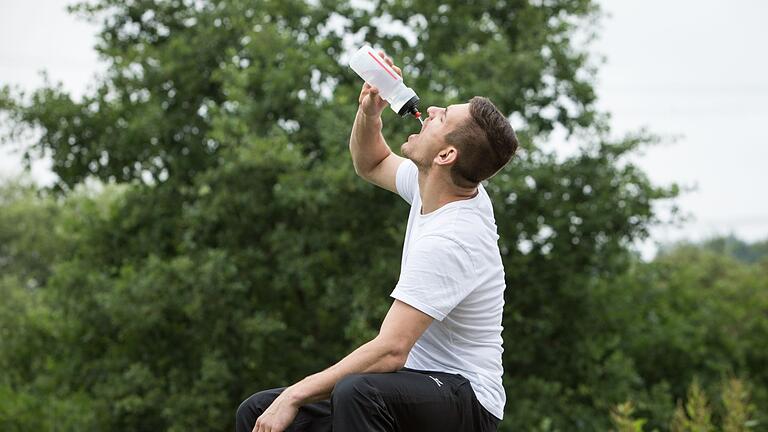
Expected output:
{"points": [[423, 400]]}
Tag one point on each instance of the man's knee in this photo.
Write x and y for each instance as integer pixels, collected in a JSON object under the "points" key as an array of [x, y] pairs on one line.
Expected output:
{"points": [[243, 408], [350, 387], [255, 404]]}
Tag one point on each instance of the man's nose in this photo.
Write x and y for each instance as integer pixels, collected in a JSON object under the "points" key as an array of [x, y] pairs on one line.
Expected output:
{"points": [[432, 110]]}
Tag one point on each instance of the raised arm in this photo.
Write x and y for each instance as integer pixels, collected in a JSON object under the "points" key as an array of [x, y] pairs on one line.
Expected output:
{"points": [[371, 156]]}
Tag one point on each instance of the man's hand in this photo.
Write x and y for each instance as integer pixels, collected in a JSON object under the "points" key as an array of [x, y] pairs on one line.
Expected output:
{"points": [[278, 416], [370, 101]]}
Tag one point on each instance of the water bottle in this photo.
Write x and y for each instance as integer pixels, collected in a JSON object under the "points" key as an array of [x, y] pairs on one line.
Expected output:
{"points": [[376, 72]]}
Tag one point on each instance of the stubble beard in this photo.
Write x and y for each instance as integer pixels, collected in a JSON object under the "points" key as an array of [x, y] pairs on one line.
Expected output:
{"points": [[423, 166]]}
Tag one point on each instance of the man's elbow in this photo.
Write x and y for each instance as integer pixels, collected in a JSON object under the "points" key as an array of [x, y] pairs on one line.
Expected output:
{"points": [[392, 356], [398, 361], [359, 172], [396, 356]]}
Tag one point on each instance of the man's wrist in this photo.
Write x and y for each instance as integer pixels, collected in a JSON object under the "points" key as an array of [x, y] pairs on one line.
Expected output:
{"points": [[370, 116], [293, 395]]}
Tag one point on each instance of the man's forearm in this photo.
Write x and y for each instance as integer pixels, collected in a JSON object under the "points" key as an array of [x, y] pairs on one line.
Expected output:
{"points": [[370, 357], [366, 143]]}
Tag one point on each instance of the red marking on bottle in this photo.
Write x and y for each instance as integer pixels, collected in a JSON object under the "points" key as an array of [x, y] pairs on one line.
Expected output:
{"points": [[417, 115], [382, 65]]}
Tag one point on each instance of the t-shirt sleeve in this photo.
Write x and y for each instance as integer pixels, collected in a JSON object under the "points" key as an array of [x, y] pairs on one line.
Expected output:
{"points": [[437, 276], [406, 180]]}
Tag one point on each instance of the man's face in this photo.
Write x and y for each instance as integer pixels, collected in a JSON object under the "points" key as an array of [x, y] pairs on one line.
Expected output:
{"points": [[424, 147]]}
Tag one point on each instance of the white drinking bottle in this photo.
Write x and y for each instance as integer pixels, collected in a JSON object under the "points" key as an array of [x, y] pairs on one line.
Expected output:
{"points": [[376, 72]]}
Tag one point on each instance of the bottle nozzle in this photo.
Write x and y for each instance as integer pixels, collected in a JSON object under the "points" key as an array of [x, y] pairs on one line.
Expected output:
{"points": [[418, 117]]}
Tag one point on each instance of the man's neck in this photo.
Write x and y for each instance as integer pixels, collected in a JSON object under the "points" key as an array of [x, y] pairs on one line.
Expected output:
{"points": [[436, 192]]}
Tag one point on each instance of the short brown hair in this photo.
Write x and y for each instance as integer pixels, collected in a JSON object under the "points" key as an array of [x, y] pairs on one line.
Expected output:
{"points": [[486, 142]]}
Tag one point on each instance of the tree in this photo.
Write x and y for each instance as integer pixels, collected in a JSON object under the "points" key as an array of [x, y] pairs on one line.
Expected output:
{"points": [[239, 251], [690, 313], [695, 415]]}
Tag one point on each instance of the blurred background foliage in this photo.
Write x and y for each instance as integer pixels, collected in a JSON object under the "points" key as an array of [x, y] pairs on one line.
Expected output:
{"points": [[207, 236]]}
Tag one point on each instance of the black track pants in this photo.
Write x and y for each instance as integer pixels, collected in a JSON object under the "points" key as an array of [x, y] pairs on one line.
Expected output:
{"points": [[408, 400]]}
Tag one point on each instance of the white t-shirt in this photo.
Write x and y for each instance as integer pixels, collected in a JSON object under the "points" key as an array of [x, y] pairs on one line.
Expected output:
{"points": [[451, 270]]}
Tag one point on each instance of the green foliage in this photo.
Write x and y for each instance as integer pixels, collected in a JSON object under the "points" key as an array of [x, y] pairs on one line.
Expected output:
{"points": [[623, 421], [30, 330], [738, 408], [187, 79], [695, 415], [689, 313], [27, 244], [229, 246], [697, 410], [730, 245]]}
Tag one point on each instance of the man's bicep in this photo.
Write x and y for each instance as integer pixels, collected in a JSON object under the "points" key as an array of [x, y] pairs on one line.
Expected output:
{"points": [[403, 326], [384, 174]]}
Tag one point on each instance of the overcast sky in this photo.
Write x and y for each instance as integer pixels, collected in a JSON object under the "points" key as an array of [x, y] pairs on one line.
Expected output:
{"points": [[694, 72]]}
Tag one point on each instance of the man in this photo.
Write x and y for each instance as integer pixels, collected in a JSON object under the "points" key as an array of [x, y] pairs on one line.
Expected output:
{"points": [[436, 363]]}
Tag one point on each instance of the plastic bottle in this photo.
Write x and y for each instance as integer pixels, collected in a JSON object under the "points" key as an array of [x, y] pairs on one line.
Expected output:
{"points": [[376, 72]]}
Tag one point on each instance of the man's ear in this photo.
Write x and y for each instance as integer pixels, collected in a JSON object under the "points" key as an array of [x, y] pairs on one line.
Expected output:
{"points": [[447, 156]]}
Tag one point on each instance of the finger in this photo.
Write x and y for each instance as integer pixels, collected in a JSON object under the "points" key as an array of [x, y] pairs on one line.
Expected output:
{"points": [[364, 91], [392, 65]]}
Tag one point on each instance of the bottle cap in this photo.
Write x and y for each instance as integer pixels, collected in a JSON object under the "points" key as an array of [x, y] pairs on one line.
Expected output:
{"points": [[410, 107]]}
